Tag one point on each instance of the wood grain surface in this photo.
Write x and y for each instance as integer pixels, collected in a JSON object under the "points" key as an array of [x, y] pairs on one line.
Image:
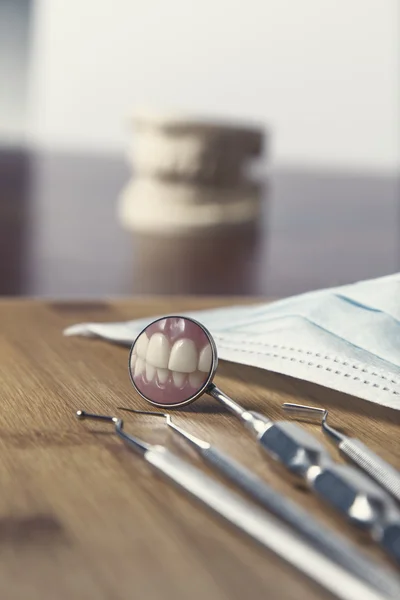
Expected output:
{"points": [[83, 517]]}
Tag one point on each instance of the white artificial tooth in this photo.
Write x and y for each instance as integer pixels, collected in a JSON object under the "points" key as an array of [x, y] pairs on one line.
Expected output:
{"points": [[197, 379], [205, 359], [141, 345], [139, 366], [158, 351], [162, 375], [150, 372], [133, 360], [179, 378], [183, 356]]}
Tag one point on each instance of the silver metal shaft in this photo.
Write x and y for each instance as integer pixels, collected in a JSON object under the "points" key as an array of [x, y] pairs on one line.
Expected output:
{"points": [[230, 404], [366, 459], [264, 529], [344, 488], [250, 519], [322, 537]]}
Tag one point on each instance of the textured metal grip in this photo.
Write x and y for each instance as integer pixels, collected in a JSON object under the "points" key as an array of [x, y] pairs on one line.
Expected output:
{"points": [[377, 468], [262, 527], [294, 448], [363, 501], [323, 538], [345, 488]]}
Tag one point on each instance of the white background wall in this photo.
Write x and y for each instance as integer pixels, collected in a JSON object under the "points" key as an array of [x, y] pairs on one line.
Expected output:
{"points": [[324, 74], [14, 60]]}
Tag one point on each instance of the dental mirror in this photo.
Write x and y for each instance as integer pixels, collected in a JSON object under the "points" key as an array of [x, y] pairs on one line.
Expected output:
{"points": [[173, 361]]}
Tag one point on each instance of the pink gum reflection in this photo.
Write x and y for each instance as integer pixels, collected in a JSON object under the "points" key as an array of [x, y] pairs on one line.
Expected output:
{"points": [[178, 327]]}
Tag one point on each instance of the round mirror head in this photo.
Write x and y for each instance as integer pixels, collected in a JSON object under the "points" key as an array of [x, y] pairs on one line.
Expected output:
{"points": [[172, 361]]}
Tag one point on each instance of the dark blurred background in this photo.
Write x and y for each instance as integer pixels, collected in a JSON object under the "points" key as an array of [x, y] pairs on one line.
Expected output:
{"points": [[320, 78]]}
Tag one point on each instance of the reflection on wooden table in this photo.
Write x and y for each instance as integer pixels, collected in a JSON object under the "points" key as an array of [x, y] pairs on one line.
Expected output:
{"points": [[60, 235]]}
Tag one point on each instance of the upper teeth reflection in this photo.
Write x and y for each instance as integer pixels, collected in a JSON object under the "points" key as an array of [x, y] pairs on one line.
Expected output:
{"points": [[139, 366], [183, 356], [141, 345], [158, 351], [158, 362], [205, 359]]}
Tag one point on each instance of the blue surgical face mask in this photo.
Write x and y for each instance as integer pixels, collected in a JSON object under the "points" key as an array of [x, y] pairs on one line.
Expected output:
{"points": [[346, 338]]}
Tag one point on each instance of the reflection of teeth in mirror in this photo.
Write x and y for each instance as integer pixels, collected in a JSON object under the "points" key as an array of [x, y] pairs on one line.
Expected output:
{"points": [[158, 351], [141, 345], [139, 366], [205, 359], [179, 378], [183, 357], [196, 379], [162, 375], [150, 372], [154, 361]]}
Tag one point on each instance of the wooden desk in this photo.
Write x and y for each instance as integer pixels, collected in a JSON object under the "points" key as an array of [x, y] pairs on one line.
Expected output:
{"points": [[82, 517]]}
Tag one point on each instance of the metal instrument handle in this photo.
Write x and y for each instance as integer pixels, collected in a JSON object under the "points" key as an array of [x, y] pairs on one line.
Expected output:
{"points": [[343, 487], [263, 528], [363, 502], [376, 467], [294, 447], [325, 539]]}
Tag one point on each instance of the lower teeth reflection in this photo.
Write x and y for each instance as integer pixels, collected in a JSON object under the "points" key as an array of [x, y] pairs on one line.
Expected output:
{"points": [[150, 372], [179, 378], [196, 379], [162, 375]]}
